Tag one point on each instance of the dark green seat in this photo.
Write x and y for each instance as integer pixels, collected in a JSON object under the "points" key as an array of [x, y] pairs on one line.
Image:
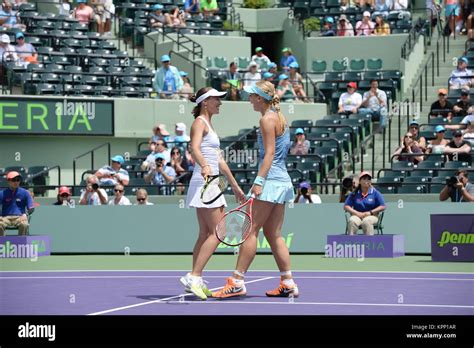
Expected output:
{"points": [[377, 227], [319, 66]]}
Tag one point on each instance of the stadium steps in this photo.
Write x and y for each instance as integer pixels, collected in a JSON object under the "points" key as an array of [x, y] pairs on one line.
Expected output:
{"points": [[456, 50]]}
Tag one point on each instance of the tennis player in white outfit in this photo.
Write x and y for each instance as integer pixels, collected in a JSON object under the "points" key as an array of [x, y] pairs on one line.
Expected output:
{"points": [[205, 147]]}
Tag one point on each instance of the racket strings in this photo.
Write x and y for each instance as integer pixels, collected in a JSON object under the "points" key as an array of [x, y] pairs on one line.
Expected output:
{"points": [[234, 227], [214, 188]]}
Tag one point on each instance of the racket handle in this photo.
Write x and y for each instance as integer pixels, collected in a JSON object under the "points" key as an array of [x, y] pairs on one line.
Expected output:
{"points": [[249, 195]]}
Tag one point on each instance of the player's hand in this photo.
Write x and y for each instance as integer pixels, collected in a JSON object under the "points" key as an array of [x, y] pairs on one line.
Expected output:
{"points": [[23, 218], [206, 171], [256, 190], [239, 194]]}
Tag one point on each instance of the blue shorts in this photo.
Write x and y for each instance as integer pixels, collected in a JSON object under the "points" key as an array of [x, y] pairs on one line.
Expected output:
{"points": [[452, 9], [278, 192]]}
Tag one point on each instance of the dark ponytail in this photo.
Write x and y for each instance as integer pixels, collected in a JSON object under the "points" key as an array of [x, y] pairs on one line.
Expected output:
{"points": [[197, 109]]}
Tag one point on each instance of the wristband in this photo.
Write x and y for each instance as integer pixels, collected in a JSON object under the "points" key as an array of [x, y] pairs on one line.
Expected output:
{"points": [[260, 181]]}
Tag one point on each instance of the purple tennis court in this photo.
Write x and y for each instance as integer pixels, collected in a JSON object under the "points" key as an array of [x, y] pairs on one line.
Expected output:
{"points": [[160, 293]]}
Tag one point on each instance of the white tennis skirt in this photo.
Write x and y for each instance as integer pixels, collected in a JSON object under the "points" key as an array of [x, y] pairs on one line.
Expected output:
{"points": [[193, 199]]}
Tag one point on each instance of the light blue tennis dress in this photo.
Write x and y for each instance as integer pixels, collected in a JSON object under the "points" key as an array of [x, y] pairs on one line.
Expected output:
{"points": [[278, 187]]}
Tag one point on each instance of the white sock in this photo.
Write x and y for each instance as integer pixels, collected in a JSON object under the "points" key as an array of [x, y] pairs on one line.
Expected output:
{"points": [[288, 282], [238, 281]]}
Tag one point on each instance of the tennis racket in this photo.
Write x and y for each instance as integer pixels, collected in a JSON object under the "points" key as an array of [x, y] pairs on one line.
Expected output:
{"points": [[234, 227], [214, 187]]}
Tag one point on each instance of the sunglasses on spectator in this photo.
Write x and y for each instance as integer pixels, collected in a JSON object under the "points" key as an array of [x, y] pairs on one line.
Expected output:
{"points": [[458, 136], [141, 199], [414, 126], [442, 95], [64, 195], [15, 179], [408, 136], [176, 152], [118, 190]]}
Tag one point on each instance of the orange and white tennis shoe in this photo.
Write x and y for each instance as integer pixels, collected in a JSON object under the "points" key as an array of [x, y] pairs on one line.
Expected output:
{"points": [[284, 291], [231, 289]]}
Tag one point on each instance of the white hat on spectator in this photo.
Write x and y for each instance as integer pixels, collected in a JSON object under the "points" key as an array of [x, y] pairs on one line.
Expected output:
{"points": [[5, 39], [180, 126], [163, 130], [252, 63], [366, 14]]}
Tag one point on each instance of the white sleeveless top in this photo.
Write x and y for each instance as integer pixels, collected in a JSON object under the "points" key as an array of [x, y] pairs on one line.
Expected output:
{"points": [[210, 149]]}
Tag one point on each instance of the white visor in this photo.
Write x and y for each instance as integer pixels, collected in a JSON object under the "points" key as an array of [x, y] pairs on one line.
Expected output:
{"points": [[211, 93]]}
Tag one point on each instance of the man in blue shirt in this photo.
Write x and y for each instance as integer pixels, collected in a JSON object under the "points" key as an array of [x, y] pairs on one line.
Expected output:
{"points": [[16, 203], [287, 59], [364, 205], [8, 17], [168, 79]]}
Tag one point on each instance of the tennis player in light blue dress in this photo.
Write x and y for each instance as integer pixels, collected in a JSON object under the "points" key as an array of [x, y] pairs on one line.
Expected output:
{"points": [[272, 189]]}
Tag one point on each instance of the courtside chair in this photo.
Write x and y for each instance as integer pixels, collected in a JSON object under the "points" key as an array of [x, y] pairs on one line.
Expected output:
{"points": [[377, 227]]}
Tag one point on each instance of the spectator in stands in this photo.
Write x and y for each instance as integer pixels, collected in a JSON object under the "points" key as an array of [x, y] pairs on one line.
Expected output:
{"points": [[189, 157], [64, 197], [469, 133], [344, 27], [142, 197], [348, 185], [262, 60], [437, 145], [364, 205], [452, 11], [159, 133], [119, 197], [414, 129], [459, 149], [16, 205], [180, 134], [160, 174], [109, 11], [99, 14], [461, 78], [305, 194], [350, 101], [364, 5], [85, 14], [441, 107], [365, 27], [285, 89], [374, 102], [272, 68], [232, 83], [177, 18], [180, 165], [401, 8], [93, 194], [268, 76], [409, 147], [433, 9], [65, 8], [167, 79], [467, 9], [463, 104], [9, 17], [209, 7], [114, 174], [26, 51], [159, 147], [297, 82], [287, 59], [158, 19], [17, 4], [464, 122], [300, 146], [381, 27], [187, 89], [382, 7], [252, 76], [345, 4], [191, 6], [459, 190], [7, 51], [327, 29]]}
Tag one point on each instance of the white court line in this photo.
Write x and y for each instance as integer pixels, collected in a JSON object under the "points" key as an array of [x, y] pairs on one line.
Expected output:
{"points": [[253, 271], [164, 299], [325, 303], [210, 276]]}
